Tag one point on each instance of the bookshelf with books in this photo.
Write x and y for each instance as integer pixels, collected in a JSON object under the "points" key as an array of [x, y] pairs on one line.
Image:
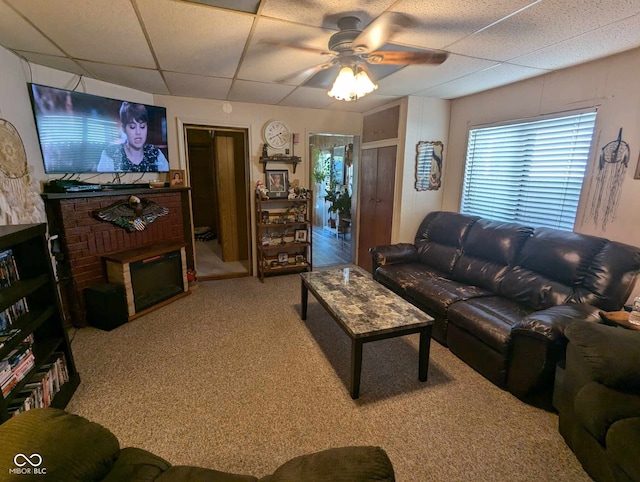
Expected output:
{"points": [[36, 363]]}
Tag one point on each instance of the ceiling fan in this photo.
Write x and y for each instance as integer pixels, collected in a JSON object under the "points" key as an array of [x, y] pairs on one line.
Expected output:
{"points": [[353, 49]]}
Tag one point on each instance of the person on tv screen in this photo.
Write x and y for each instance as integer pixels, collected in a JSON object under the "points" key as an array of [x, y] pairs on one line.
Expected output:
{"points": [[134, 154]]}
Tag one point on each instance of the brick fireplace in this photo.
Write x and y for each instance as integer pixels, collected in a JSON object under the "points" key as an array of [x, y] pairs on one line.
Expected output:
{"points": [[84, 240]]}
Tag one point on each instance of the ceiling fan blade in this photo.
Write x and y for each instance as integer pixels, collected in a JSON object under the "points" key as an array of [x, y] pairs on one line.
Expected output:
{"points": [[300, 76], [402, 58], [278, 43], [378, 32]]}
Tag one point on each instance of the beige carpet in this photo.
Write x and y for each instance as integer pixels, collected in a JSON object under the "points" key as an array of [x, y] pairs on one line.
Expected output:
{"points": [[209, 261], [230, 378]]}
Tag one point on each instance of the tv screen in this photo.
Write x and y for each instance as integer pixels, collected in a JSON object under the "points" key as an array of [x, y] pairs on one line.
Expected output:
{"points": [[84, 133]]}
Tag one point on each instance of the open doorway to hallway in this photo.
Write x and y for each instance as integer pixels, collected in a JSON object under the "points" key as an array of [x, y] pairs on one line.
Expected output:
{"points": [[333, 169], [217, 167]]}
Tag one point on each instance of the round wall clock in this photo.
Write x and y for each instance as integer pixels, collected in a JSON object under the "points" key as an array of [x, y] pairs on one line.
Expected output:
{"points": [[276, 134]]}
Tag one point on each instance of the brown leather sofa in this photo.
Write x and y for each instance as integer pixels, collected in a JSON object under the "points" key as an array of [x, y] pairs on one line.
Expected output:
{"points": [[501, 293]]}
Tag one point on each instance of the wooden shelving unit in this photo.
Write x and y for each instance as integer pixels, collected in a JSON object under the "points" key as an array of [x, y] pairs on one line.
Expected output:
{"points": [[43, 319], [280, 225]]}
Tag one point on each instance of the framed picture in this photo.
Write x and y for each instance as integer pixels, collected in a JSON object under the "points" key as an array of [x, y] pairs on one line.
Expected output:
{"points": [[300, 236], [277, 183], [283, 258], [176, 178]]}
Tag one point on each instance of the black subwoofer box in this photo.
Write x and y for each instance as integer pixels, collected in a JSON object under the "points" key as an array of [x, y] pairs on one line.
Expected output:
{"points": [[106, 306]]}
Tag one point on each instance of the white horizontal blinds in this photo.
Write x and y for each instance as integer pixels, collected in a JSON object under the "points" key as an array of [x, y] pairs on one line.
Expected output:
{"points": [[530, 172]]}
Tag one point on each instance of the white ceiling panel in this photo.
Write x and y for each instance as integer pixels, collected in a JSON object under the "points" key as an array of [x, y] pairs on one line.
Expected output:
{"points": [[187, 85], [259, 93], [195, 39], [102, 31], [308, 97], [145, 80], [495, 77], [541, 25], [618, 36], [324, 13], [439, 23], [267, 62], [60, 63], [227, 50], [16, 33], [414, 78]]}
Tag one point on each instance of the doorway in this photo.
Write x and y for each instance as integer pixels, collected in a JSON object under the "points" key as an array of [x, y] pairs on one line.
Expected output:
{"points": [[333, 169], [217, 160]]}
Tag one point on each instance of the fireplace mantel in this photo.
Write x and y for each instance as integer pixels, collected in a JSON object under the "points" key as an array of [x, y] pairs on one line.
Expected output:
{"points": [[84, 240]]}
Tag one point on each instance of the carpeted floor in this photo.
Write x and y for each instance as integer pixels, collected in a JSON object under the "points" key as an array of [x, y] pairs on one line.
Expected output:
{"points": [[230, 378]]}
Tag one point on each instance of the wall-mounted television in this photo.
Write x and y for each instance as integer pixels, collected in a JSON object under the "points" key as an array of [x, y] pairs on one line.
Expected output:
{"points": [[85, 133]]}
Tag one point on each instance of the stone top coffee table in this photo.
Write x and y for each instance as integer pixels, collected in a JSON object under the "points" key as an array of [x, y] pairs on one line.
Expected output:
{"points": [[366, 311]]}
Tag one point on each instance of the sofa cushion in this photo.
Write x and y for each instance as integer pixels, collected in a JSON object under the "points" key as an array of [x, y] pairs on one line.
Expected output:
{"points": [[398, 276], [612, 353], [440, 237], [488, 319], [71, 447], [623, 446], [488, 249], [342, 464], [598, 407], [610, 276], [183, 473], [136, 465], [438, 293], [549, 266]]}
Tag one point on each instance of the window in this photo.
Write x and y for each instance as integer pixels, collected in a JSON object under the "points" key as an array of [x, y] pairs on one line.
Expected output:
{"points": [[528, 172]]}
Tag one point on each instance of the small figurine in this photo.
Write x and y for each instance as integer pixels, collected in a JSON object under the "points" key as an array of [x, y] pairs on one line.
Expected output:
{"points": [[292, 193], [264, 151], [262, 189]]}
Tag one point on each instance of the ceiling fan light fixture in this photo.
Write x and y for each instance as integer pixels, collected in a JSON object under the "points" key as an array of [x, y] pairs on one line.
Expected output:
{"points": [[350, 86]]}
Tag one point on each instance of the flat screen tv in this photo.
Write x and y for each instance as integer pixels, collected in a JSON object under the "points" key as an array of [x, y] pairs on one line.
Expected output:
{"points": [[85, 133]]}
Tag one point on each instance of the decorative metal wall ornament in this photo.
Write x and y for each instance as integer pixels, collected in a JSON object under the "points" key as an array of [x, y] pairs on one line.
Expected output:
{"points": [[20, 202], [429, 165], [612, 167], [132, 215]]}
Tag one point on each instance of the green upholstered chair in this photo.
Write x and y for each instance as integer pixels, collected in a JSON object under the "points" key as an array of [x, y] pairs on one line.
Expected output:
{"points": [[53, 445], [598, 400]]}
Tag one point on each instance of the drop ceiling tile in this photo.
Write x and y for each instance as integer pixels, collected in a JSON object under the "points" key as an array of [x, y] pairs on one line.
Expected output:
{"points": [[308, 97], [272, 55], [325, 13], [614, 38], [187, 85], [259, 93], [61, 63], [18, 34], [439, 23], [140, 79], [542, 25], [250, 6], [195, 39], [414, 78], [479, 81], [100, 31]]}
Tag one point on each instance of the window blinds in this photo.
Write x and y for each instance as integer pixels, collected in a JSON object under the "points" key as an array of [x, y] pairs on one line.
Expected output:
{"points": [[528, 172]]}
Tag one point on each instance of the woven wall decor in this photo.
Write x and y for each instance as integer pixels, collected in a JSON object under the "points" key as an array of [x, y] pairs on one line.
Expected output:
{"points": [[20, 201]]}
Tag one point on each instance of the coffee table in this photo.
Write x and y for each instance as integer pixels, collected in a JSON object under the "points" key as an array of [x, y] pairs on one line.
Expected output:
{"points": [[366, 311]]}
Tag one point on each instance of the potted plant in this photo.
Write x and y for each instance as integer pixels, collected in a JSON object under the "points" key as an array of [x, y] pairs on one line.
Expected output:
{"points": [[340, 200]]}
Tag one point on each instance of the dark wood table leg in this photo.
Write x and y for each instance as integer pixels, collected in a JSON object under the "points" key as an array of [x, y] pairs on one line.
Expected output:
{"points": [[356, 368], [423, 354], [304, 298]]}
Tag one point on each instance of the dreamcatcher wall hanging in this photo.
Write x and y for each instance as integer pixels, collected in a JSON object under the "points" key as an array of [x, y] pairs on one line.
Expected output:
{"points": [[609, 176], [19, 200]]}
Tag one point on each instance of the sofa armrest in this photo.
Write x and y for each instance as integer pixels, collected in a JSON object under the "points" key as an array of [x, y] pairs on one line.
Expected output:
{"points": [[550, 323], [537, 345], [392, 254]]}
